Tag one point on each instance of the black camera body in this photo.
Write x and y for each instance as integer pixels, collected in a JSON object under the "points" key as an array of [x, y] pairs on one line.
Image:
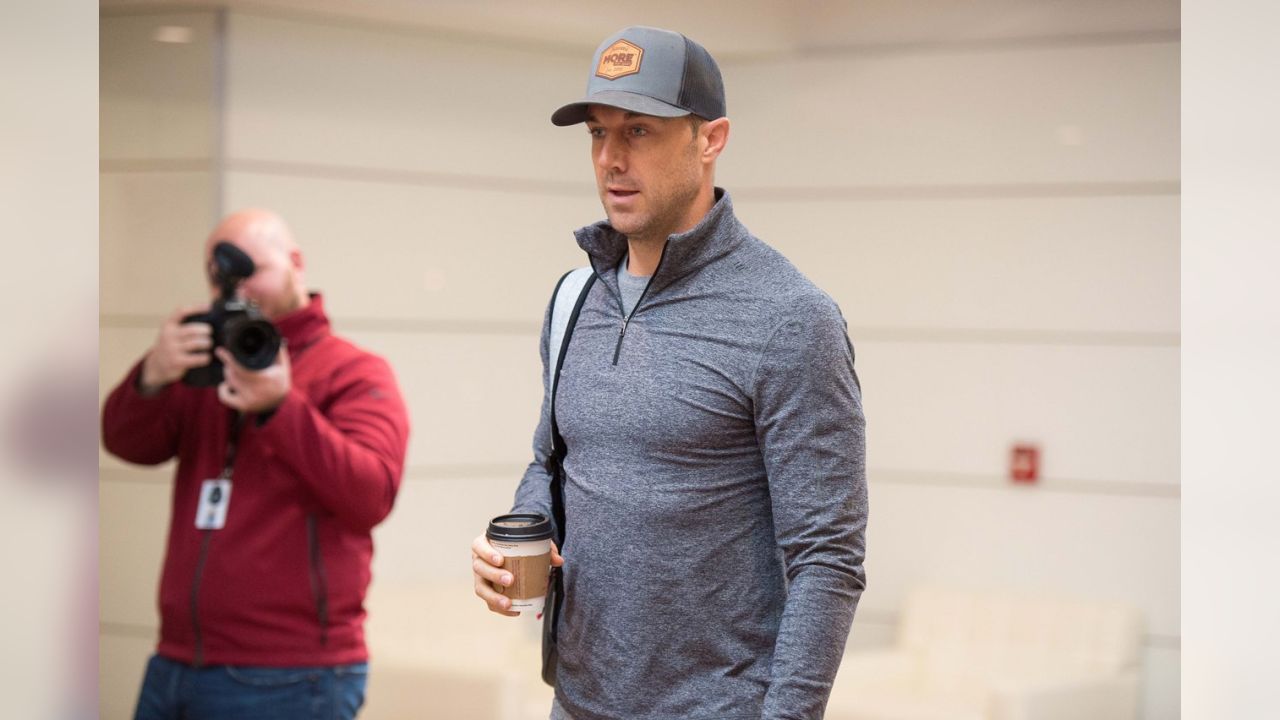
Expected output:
{"points": [[237, 325]]}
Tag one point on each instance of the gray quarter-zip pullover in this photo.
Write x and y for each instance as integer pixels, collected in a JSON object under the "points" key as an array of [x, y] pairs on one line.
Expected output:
{"points": [[715, 491]]}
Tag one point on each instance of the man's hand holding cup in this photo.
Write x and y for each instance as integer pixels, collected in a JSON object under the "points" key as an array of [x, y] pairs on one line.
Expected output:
{"points": [[511, 563]]}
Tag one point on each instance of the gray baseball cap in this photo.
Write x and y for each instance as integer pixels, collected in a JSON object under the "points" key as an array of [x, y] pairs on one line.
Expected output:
{"points": [[651, 72]]}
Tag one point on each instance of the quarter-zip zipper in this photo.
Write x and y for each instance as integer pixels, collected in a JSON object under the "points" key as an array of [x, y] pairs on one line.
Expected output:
{"points": [[622, 333]]}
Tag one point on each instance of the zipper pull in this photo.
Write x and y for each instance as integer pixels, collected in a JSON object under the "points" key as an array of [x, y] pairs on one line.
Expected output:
{"points": [[621, 334]]}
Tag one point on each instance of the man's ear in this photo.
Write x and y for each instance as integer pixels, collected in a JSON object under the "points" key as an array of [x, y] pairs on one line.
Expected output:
{"points": [[295, 258], [716, 134]]}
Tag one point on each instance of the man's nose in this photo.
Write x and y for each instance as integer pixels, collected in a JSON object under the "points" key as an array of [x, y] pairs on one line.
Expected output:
{"points": [[612, 154]]}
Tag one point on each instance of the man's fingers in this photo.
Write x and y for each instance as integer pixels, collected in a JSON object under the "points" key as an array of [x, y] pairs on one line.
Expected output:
{"points": [[228, 397], [193, 330], [480, 547], [231, 369], [491, 573], [497, 603], [556, 559], [194, 359], [486, 567], [494, 599], [194, 343]]}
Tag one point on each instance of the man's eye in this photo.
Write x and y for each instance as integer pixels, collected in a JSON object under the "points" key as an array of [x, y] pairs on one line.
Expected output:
{"points": [[595, 132], [638, 131]]}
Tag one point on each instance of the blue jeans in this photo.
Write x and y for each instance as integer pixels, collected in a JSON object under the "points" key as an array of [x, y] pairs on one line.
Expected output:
{"points": [[174, 691]]}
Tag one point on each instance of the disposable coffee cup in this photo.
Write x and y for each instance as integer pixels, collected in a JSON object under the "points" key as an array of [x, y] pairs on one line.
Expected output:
{"points": [[525, 540]]}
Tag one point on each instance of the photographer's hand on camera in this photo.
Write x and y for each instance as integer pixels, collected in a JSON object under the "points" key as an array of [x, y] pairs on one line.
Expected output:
{"points": [[178, 348], [254, 391]]}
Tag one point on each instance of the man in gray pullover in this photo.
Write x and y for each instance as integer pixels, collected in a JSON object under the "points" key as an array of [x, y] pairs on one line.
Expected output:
{"points": [[715, 493]]}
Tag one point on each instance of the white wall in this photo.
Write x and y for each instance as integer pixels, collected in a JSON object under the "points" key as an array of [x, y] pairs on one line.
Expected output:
{"points": [[158, 196], [998, 223], [1000, 229]]}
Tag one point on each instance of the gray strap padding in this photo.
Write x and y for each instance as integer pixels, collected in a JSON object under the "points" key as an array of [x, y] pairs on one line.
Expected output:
{"points": [[562, 309]]}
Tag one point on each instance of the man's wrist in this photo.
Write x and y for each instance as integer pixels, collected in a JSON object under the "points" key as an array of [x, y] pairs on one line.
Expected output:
{"points": [[147, 382], [262, 416], [147, 387]]}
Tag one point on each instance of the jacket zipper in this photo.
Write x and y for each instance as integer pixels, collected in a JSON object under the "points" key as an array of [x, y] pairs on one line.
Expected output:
{"points": [[319, 584], [622, 333], [198, 660], [233, 441]]}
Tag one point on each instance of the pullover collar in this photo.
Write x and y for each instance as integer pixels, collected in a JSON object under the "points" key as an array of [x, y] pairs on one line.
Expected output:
{"points": [[304, 326], [715, 236]]}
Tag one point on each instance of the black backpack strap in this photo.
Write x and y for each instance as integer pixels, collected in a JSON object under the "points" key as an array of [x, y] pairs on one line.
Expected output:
{"points": [[558, 450]]}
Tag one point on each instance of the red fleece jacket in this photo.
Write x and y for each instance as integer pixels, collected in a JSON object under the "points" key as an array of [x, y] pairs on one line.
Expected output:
{"points": [[283, 582]]}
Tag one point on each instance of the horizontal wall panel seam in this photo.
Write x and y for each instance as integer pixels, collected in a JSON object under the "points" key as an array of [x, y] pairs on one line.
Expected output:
{"points": [[340, 21], [112, 10], [157, 165], [430, 473], [1076, 486], [391, 176], [975, 46], [878, 617], [127, 629], [817, 193], [365, 324], [961, 191], [943, 336], [998, 336]]}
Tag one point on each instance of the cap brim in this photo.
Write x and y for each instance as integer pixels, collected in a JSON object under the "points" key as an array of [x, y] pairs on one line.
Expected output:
{"points": [[574, 113]]}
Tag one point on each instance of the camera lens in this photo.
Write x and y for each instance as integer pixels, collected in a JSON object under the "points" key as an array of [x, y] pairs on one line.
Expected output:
{"points": [[251, 341], [254, 343]]}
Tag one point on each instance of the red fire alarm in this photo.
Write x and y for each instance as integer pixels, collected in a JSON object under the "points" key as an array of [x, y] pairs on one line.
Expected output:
{"points": [[1024, 463]]}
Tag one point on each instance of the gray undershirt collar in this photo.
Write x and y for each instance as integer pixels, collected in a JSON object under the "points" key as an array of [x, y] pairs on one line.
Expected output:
{"points": [[632, 287]]}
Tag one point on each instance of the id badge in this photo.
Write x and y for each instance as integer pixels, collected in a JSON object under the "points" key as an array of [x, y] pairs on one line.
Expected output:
{"points": [[215, 496]]}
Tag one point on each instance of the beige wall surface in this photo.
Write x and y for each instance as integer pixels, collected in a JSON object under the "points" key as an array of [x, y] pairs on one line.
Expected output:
{"points": [[998, 224]]}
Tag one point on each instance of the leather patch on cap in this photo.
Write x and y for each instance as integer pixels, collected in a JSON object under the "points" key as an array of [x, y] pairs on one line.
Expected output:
{"points": [[619, 59]]}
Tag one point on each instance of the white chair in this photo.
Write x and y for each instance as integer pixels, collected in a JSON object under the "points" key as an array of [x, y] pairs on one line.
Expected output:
{"points": [[437, 652], [970, 655]]}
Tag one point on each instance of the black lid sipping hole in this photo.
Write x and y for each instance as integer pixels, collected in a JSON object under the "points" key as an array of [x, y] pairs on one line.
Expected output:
{"points": [[519, 527]]}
